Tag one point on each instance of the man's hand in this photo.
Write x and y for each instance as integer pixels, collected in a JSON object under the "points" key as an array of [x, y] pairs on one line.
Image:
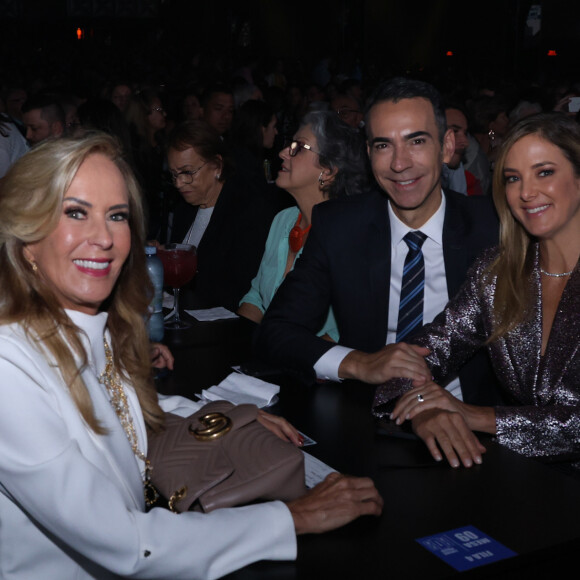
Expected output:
{"points": [[398, 360], [336, 501]]}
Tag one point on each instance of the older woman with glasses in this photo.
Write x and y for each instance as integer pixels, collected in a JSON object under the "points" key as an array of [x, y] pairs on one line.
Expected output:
{"points": [[224, 216], [325, 160]]}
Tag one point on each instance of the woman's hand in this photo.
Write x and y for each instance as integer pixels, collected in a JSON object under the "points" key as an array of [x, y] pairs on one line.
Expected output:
{"points": [[419, 399], [431, 397], [280, 427], [447, 432], [336, 501], [161, 356]]}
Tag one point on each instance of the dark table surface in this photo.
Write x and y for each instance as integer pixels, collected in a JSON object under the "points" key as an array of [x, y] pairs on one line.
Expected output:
{"points": [[529, 507]]}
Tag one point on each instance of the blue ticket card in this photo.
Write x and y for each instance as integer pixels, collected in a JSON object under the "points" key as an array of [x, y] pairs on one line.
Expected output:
{"points": [[465, 548]]}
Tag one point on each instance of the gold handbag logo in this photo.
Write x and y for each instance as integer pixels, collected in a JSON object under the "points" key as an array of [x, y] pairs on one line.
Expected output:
{"points": [[215, 425]]}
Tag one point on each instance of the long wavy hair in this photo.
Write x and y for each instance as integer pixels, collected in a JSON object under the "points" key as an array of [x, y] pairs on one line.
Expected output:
{"points": [[514, 264], [31, 201]]}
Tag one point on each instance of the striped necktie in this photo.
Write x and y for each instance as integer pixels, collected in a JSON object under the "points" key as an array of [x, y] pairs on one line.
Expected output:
{"points": [[411, 302]]}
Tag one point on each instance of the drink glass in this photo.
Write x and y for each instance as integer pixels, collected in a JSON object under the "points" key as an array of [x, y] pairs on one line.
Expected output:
{"points": [[179, 267]]}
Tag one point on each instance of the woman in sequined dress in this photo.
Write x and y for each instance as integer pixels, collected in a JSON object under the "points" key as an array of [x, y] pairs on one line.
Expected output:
{"points": [[522, 301], [78, 399]]}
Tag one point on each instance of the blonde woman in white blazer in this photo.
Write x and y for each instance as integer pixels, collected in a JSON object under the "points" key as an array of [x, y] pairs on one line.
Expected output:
{"points": [[72, 468]]}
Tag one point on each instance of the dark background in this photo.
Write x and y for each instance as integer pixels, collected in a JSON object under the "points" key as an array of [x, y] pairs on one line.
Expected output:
{"points": [[165, 37]]}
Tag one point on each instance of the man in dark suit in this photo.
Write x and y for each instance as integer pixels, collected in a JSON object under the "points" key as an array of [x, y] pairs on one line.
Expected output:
{"points": [[353, 259]]}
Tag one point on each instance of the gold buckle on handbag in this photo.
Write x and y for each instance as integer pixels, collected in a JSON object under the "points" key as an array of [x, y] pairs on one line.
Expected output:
{"points": [[216, 426]]}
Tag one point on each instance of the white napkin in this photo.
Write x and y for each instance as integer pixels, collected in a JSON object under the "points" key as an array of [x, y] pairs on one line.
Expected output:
{"points": [[218, 313], [238, 389], [315, 470]]}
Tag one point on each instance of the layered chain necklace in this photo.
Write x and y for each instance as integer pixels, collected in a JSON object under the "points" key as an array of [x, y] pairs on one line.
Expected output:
{"points": [[112, 381]]}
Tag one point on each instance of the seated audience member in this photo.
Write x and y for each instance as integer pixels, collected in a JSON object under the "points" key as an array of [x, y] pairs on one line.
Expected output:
{"points": [[43, 118], [72, 501], [292, 111], [147, 120], [244, 92], [14, 96], [490, 124], [316, 99], [70, 105], [475, 161], [253, 134], [523, 109], [522, 302], [455, 175], [120, 96], [12, 144], [326, 160], [348, 109], [191, 106], [354, 259], [219, 212], [103, 115], [218, 108]]}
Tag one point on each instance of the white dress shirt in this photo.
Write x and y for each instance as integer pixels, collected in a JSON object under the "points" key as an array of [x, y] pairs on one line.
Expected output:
{"points": [[435, 295]]}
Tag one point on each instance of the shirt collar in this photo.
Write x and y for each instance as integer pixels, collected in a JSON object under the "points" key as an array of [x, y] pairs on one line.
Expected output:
{"points": [[432, 228]]}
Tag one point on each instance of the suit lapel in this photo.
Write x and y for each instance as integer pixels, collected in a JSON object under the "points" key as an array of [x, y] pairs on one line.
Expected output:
{"points": [[454, 247], [379, 269]]}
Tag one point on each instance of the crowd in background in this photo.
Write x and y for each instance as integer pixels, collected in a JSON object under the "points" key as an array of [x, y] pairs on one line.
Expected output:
{"points": [[255, 104]]}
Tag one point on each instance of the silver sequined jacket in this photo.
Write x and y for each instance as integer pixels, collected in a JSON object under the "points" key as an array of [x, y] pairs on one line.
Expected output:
{"points": [[545, 417]]}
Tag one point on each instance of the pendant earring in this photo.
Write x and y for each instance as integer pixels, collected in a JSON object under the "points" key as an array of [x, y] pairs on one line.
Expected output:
{"points": [[320, 180], [33, 266]]}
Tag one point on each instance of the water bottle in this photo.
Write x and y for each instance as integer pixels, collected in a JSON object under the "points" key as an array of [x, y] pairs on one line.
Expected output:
{"points": [[155, 269]]}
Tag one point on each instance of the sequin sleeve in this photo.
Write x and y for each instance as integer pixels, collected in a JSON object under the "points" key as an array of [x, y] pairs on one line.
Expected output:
{"points": [[453, 336], [540, 431]]}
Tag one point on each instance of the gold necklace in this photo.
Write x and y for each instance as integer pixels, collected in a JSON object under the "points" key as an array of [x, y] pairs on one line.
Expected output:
{"points": [[118, 398]]}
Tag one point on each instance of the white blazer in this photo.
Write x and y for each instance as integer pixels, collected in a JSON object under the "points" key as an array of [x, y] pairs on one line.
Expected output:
{"points": [[71, 502]]}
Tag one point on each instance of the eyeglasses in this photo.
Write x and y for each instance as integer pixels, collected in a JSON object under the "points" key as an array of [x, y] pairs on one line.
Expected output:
{"points": [[296, 146], [186, 176]]}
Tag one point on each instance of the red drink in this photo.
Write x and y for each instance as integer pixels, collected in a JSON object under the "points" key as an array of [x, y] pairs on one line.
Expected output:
{"points": [[179, 266]]}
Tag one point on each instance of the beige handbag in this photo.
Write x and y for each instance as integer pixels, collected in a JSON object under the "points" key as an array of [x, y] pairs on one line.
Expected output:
{"points": [[222, 456]]}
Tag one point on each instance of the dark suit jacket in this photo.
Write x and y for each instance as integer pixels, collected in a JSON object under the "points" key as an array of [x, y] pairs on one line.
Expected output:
{"points": [[346, 263], [231, 248]]}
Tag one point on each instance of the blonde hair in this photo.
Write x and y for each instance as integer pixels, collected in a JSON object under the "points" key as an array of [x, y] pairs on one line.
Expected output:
{"points": [[31, 200], [514, 264]]}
